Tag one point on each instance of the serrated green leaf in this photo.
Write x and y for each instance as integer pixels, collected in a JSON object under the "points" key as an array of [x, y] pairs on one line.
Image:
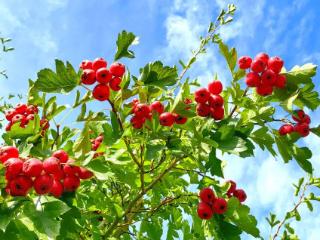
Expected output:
{"points": [[124, 41]]}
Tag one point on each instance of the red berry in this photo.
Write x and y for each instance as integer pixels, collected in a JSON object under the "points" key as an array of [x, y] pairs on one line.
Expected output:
{"points": [[268, 77], [88, 77], [19, 118], [14, 166], [85, 173], [263, 57], [157, 106], [252, 79], [30, 117], [59, 175], [240, 194], [117, 69], [281, 81], [10, 114], [166, 119], [217, 113], [86, 64], [142, 110], [98, 140], [244, 62], [8, 127], [264, 90], [31, 109], [61, 155], [232, 187], [201, 95], [207, 195], [103, 75], [204, 211], [115, 83], [101, 92], [180, 119], [303, 129], [43, 184], [56, 189], [21, 108], [51, 165], [19, 186], [203, 109], [44, 123], [215, 101], [8, 152], [220, 206], [71, 183], [258, 66], [299, 116], [215, 87], [286, 129], [32, 167], [137, 122], [70, 169], [306, 119], [275, 64], [99, 63]]}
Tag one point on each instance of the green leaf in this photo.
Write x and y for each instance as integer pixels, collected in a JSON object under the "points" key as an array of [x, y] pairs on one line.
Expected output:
{"points": [[214, 164], [301, 74], [155, 74], [33, 94], [17, 132], [263, 139], [83, 145], [125, 39], [229, 55], [316, 131], [64, 80], [301, 155]]}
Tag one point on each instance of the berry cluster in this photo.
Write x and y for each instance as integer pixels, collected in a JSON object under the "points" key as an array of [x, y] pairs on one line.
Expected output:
{"points": [[234, 192], [264, 74], [143, 112], [97, 71], [302, 127], [24, 113], [53, 176], [210, 103]]}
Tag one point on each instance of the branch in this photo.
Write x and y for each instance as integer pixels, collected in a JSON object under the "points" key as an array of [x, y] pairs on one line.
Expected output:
{"points": [[236, 106]]}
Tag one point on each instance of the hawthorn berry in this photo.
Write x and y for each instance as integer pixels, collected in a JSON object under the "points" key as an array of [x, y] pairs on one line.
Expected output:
{"points": [[244, 62], [56, 189], [101, 92], [86, 64], [10, 114], [21, 108], [59, 175], [157, 106], [70, 169], [203, 109], [166, 119], [103, 75], [252, 79], [264, 90], [219, 206], [30, 117], [303, 129], [99, 63], [44, 123], [258, 66], [137, 122], [43, 184], [275, 64], [61, 155], [207, 195], [84, 173], [215, 101], [117, 69], [268, 77], [8, 152], [180, 119], [31, 109], [286, 129], [215, 87], [298, 115], [88, 77], [115, 84], [281, 81], [71, 183], [263, 57], [8, 127], [141, 110], [14, 166], [32, 167], [232, 187], [19, 118], [240, 194], [51, 165], [217, 113], [204, 211], [201, 95], [19, 186]]}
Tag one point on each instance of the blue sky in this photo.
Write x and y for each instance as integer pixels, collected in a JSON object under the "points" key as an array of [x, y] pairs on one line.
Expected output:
{"points": [[168, 30]]}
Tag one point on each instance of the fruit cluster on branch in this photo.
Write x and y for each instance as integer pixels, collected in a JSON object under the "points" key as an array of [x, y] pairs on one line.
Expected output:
{"points": [[302, 127]]}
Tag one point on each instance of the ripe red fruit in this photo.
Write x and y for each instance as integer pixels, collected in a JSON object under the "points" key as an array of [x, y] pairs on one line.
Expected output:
{"points": [[232, 187], [218, 113], [275, 64], [157, 107], [268, 77], [32, 167], [56, 189], [264, 90], [298, 115], [180, 119], [98, 140], [99, 63], [10, 114], [166, 119], [201, 95], [14, 166], [43, 184], [286, 129], [306, 119], [207, 195], [8, 127], [303, 129], [252, 79], [51, 165], [59, 175], [115, 84], [141, 110], [70, 169], [137, 122], [19, 186], [263, 57], [19, 118], [117, 69], [258, 66], [203, 109], [61, 155], [44, 123], [220, 206], [215, 87], [204, 211], [31, 109], [71, 183], [244, 62], [101, 92], [8, 152], [30, 117], [240, 194], [86, 64], [21, 108], [103, 75], [85, 173], [215, 101], [88, 77], [281, 81]]}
